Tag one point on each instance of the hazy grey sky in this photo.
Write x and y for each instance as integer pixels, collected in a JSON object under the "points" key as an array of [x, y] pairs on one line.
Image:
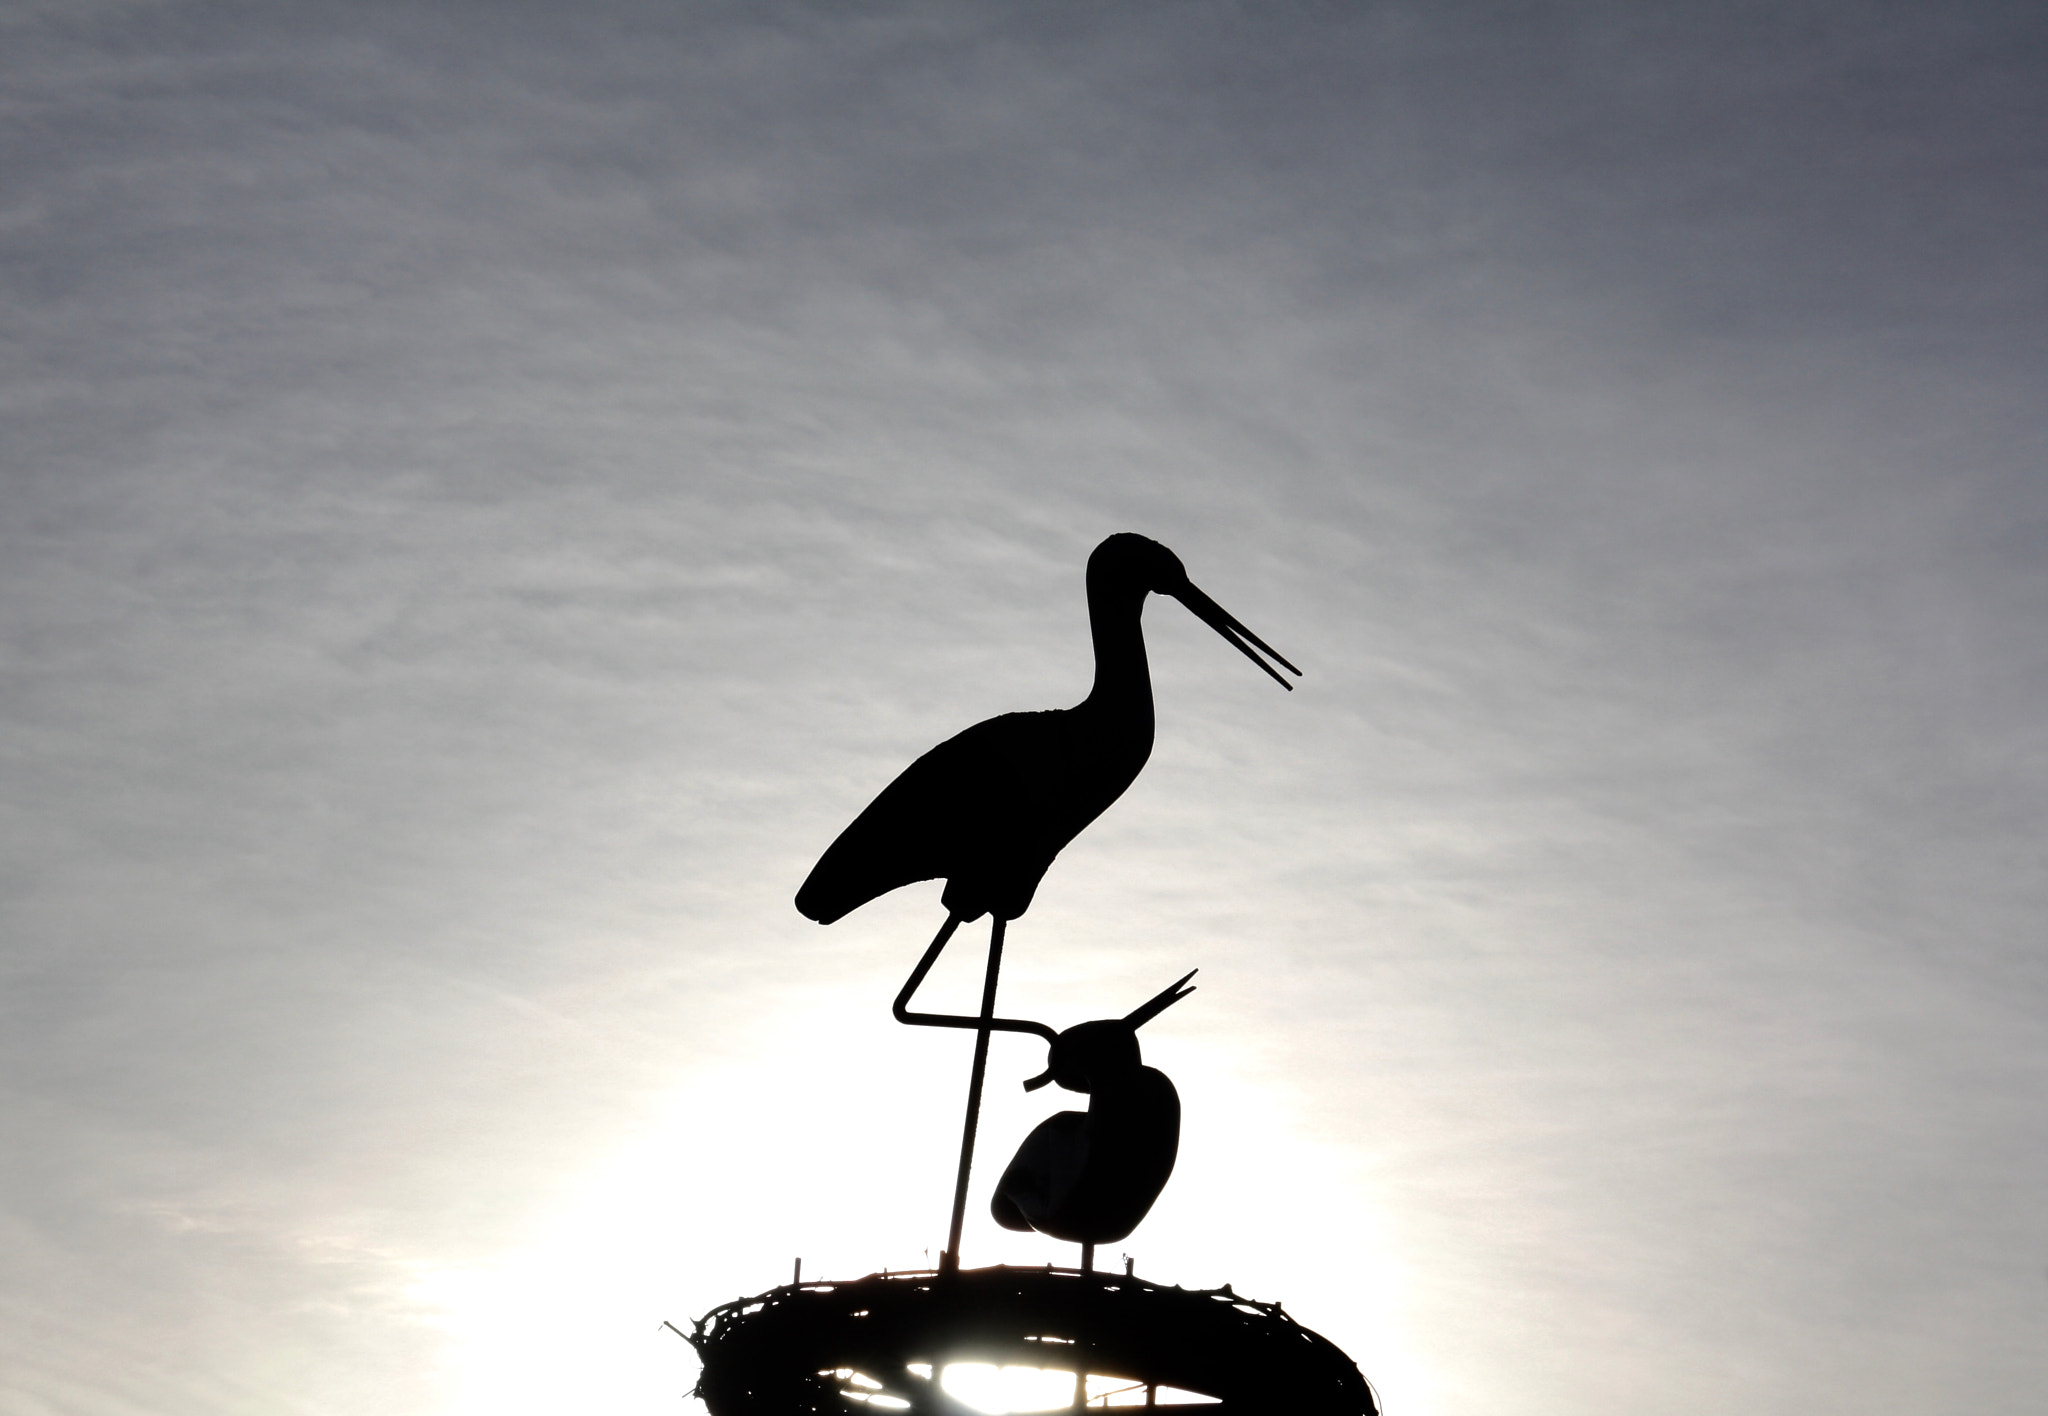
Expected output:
{"points": [[491, 489]]}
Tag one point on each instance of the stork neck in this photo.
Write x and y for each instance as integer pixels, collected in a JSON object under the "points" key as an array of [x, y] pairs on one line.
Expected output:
{"points": [[1123, 680]]}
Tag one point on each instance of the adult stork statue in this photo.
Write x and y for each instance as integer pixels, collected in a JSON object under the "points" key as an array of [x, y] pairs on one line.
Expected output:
{"points": [[988, 810]]}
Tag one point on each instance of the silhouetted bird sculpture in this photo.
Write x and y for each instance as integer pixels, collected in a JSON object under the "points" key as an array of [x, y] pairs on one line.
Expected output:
{"points": [[1091, 1176], [988, 810]]}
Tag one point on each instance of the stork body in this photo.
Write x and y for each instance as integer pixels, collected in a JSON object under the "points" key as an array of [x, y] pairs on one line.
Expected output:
{"points": [[987, 811]]}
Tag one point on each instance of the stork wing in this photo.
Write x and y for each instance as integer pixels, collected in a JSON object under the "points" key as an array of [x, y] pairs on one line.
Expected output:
{"points": [[943, 815]]}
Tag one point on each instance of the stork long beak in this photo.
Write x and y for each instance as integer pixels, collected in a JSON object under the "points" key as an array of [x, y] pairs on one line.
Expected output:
{"points": [[1232, 629]]}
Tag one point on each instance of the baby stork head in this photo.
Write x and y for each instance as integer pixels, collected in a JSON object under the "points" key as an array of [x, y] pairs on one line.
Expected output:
{"points": [[1087, 1055]]}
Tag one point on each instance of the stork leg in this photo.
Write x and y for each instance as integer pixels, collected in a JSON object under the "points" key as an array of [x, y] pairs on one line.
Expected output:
{"points": [[983, 1024], [924, 966], [950, 1261], [901, 1009]]}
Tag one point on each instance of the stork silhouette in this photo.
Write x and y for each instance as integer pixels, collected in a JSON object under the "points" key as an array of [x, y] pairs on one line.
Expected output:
{"points": [[1091, 1176], [989, 810]]}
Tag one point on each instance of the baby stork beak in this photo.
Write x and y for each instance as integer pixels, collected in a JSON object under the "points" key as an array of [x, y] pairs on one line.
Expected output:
{"points": [[1164, 999]]}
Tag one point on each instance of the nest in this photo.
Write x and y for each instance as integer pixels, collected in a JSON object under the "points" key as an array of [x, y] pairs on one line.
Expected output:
{"points": [[838, 1347]]}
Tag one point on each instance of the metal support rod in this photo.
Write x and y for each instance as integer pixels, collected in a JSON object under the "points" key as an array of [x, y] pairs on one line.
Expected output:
{"points": [[981, 1034]]}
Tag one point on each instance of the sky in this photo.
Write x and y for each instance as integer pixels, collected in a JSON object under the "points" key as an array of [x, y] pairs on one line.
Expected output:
{"points": [[487, 491]]}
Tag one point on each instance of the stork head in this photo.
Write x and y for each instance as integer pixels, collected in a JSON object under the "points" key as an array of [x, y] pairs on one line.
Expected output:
{"points": [[1088, 1054], [1128, 562]]}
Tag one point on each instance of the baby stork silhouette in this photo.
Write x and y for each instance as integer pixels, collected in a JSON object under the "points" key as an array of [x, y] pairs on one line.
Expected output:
{"points": [[1089, 1177]]}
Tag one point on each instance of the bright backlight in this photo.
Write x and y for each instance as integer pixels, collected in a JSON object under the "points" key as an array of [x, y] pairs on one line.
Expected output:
{"points": [[1001, 1390]]}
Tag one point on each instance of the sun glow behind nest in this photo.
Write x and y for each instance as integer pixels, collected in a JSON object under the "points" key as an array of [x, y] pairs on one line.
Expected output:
{"points": [[1018, 1389], [776, 1153], [999, 1391]]}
